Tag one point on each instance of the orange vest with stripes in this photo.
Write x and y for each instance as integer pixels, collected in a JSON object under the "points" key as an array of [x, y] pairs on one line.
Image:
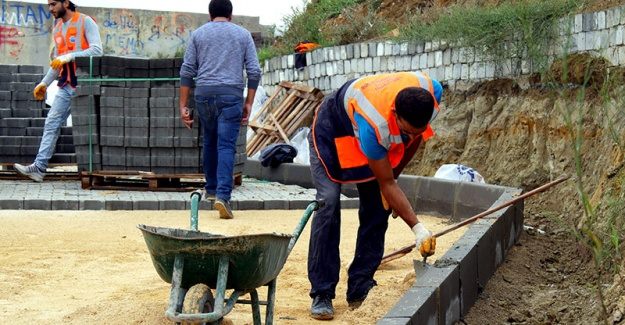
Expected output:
{"points": [[372, 97], [73, 40]]}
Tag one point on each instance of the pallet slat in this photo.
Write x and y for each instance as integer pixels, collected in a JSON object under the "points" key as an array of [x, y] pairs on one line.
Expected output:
{"points": [[282, 114], [145, 181]]}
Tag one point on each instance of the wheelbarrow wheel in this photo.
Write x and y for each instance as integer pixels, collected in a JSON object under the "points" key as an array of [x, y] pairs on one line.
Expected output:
{"points": [[198, 300]]}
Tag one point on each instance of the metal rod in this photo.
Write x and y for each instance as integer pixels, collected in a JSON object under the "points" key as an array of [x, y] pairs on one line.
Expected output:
{"points": [[196, 197], [271, 302], [175, 296], [312, 206], [255, 307], [407, 249]]}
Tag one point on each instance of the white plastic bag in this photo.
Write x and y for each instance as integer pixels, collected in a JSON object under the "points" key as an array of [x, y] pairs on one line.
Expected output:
{"points": [[457, 172], [300, 142], [259, 99], [51, 93]]}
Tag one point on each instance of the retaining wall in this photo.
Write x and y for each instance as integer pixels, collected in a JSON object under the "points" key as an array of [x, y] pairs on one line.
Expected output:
{"points": [[602, 33]]}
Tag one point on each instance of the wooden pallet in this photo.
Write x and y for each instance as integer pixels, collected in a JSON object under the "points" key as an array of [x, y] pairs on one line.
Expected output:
{"points": [[55, 172], [144, 181], [288, 109]]}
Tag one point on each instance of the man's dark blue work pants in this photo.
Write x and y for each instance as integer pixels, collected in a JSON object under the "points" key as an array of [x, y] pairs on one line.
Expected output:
{"points": [[323, 255]]}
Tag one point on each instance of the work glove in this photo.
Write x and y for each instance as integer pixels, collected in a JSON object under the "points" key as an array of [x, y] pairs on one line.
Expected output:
{"points": [[58, 63], [40, 91], [424, 240]]}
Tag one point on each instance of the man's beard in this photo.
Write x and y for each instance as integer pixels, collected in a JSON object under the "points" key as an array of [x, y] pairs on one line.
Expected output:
{"points": [[60, 13]]}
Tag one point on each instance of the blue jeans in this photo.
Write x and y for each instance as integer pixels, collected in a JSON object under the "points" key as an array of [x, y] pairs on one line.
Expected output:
{"points": [[323, 253], [56, 116], [220, 116]]}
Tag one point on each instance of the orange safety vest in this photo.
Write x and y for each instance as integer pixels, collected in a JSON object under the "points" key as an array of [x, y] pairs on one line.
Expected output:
{"points": [[303, 47], [73, 40], [372, 97]]}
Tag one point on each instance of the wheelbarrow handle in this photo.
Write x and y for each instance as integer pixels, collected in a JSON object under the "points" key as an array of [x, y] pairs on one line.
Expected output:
{"points": [[196, 197], [312, 206]]}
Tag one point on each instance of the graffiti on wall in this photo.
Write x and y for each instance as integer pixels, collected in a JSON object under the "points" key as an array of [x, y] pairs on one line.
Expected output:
{"points": [[25, 15], [121, 33], [25, 31], [20, 24], [125, 33], [173, 30]]}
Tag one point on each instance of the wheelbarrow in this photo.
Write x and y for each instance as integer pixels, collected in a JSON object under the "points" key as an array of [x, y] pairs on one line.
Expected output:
{"points": [[194, 262]]}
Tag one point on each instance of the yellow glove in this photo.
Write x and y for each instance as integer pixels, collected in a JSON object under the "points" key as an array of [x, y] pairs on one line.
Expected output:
{"points": [[424, 240], [40, 91], [428, 247], [58, 63]]}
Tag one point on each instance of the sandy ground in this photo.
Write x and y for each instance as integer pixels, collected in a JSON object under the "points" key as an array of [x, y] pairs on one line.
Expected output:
{"points": [[93, 267]]}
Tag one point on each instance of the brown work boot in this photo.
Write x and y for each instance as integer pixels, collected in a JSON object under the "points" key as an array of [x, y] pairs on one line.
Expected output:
{"points": [[224, 209]]}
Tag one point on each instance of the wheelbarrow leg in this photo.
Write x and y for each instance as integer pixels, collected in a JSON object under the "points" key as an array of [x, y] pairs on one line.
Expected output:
{"points": [[176, 294], [255, 307], [271, 299]]}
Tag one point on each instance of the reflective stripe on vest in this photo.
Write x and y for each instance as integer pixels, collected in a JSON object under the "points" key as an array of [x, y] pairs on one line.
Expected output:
{"points": [[356, 101]]}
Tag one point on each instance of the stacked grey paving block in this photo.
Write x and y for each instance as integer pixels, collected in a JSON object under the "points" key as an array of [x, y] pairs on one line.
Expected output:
{"points": [[240, 157], [162, 123], [120, 120], [112, 133], [86, 127], [164, 68], [187, 142], [22, 118], [23, 104]]}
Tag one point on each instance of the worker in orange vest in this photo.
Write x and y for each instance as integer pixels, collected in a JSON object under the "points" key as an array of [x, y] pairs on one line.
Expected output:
{"points": [[74, 35], [365, 133], [300, 53]]}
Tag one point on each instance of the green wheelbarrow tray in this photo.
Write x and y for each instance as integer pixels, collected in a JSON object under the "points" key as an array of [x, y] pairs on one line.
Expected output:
{"points": [[254, 260], [198, 263]]}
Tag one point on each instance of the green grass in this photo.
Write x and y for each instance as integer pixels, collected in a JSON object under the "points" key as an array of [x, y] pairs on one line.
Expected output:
{"points": [[522, 29]]}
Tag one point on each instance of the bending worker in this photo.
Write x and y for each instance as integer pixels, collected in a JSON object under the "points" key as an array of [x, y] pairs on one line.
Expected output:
{"points": [[74, 35], [365, 133]]}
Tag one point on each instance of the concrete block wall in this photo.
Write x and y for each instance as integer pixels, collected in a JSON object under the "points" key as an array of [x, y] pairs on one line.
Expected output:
{"points": [[22, 118], [601, 33]]}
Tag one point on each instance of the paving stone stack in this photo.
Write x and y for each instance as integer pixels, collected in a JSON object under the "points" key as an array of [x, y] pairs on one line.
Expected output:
{"points": [[135, 124], [86, 115], [187, 143], [240, 157], [22, 118]]}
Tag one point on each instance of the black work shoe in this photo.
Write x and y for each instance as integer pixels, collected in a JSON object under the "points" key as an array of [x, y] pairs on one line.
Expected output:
{"points": [[224, 209], [355, 303], [321, 308]]}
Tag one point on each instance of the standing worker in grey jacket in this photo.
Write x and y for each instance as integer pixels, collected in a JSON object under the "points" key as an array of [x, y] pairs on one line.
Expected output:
{"points": [[215, 56], [74, 35]]}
